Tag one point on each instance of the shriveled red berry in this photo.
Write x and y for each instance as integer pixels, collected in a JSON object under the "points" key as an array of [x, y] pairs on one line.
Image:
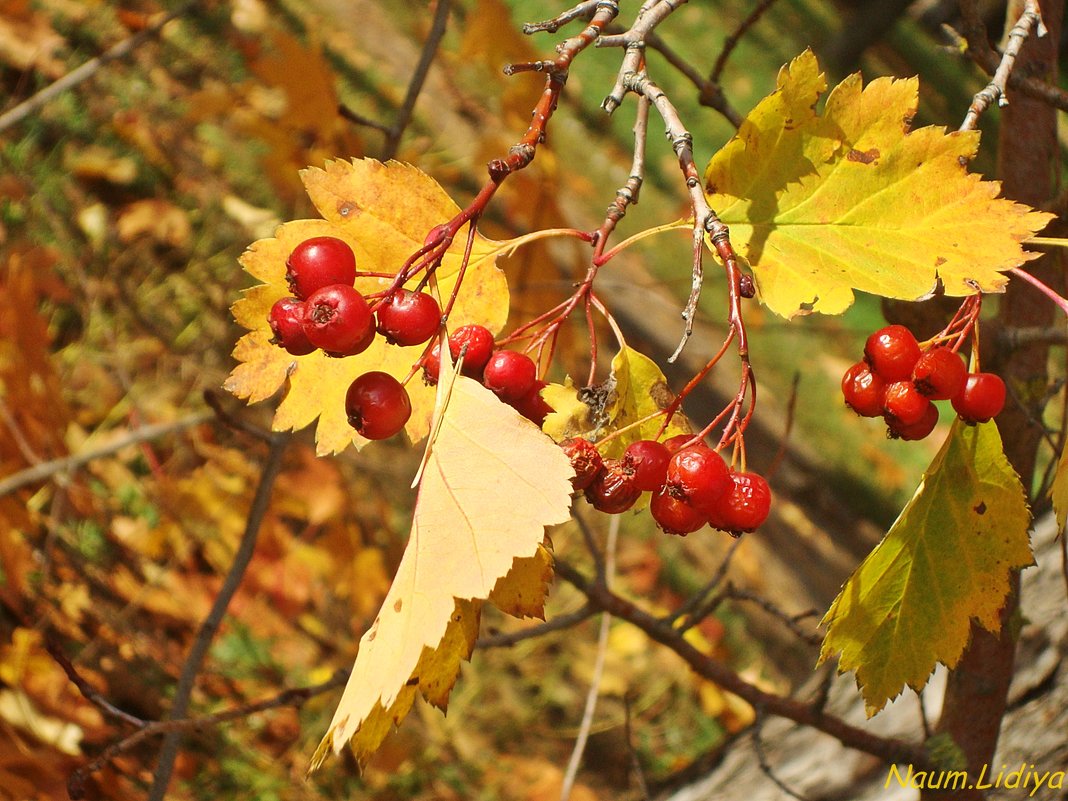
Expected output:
{"points": [[509, 374], [377, 405], [903, 404], [338, 320], [939, 374], [674, 515], [408, 318], [863, 390], [287, 324], [585, 459], [981, 399], [648, 460], [612, 490], [532, 405], [479, 343], [745, 504], [678, 442], [918, 430], [892, 353], [318, 262], [697, 475]]}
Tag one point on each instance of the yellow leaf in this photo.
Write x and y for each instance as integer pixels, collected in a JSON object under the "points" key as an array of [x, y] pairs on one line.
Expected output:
{"points": [[1059, 490], [384, 212], [821, 205], [490, 485], [944, 562]]}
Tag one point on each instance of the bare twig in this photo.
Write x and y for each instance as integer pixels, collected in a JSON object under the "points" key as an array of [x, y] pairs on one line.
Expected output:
{"points": [[708, 93], [762, 759], [558, 623], [698, 598], [584, 11], [635, 761], [790, 621], [260, 501], [732, 41], [87, 70], [788, 426], [350, 114]]}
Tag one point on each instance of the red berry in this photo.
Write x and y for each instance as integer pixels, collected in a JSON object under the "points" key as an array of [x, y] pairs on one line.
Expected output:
{"points": [[903, 404], [479, 342], [509, 374], [648, 460], [318, 262], [697, 475], [863, 390], [408, 318], [431, 364], [585, 459], [612, 490], [339, 321], [892, 353], [744, 506], [939, 374], [533, 406], [981, 399], [377, 405], [917, 430], [287, 324], [674, 515], [676, 443]]}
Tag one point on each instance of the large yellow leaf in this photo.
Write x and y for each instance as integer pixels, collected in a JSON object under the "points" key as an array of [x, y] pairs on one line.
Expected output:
{"points": [[944, 562], [490, 484], [384, 212], [821, 205]]}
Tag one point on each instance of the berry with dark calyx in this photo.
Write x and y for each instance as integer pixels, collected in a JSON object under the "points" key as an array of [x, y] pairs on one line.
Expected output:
{"points": [[509, 374], [863, 390], [533, 406], [338, 320], [612, 490], [918, 430], [318, 262], [674, 515], [431, 364], [287, 324], [903, 404], [699, 476], [377, 405], [585, 459], [745, 504], [408, 318], [981, 399], [648, 460], [479, 342], [939, 374], [892, 352], [679, 441]]}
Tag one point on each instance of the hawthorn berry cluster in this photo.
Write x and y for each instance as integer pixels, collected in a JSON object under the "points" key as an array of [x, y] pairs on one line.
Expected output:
{"points": [[898, 380], [690, 483]]}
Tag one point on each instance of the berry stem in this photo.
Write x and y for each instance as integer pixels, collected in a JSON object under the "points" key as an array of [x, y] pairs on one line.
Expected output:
{"points": [[1058, 301]]}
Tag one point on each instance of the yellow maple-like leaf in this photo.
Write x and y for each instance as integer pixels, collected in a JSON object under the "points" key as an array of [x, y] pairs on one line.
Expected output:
{"points": [[384, 212], [491, 483], [821, 205]]}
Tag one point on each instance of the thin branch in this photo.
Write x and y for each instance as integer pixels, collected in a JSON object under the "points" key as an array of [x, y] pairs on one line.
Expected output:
{"points": [[732, 41], [790, 621], [67, 464], [353, 116], [762, 759], [245, 549], [1013, 338], [558, 623], [583, 11], [87, 70], [709, 94], [698, 598]]}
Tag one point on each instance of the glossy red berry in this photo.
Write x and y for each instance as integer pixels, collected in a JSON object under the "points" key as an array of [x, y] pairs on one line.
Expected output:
{"points": [[612, 490], [697, 475], [674, 515], [318, 262], [479, 347], [533, 406], [903, 404], [408, 318], [509, 374], [863, 390], [648, 460], [918, 430], [338, 320], [744, 506], [679, 441], [377, 405], [892, 352], [981, 399], [939, 374], [287, 324], [585, 459]]}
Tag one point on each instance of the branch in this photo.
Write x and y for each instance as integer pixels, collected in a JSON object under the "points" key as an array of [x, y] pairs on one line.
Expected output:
{"points": [[709, 93], [558, 623], [732, 41]]}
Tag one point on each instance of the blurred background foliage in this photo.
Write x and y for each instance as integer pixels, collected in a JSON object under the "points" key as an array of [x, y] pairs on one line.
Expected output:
{"points": [[124, 204]]}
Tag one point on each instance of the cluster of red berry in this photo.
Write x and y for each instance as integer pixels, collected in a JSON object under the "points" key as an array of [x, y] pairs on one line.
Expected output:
{"points": [[690, 482], [898, 380]]}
